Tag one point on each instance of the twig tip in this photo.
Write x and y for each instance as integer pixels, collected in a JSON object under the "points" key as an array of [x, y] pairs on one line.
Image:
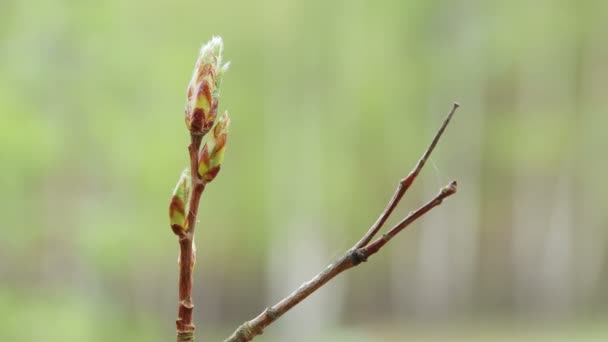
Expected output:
{"points": [[450, 189], [454, 185], [456, 104]]}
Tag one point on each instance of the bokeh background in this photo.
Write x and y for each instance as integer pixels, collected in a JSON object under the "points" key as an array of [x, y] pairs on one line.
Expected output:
{"points": [[332, 102]]}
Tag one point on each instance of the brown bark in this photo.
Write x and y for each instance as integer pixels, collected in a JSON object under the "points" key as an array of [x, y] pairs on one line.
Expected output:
{"points": [[187, 257]]}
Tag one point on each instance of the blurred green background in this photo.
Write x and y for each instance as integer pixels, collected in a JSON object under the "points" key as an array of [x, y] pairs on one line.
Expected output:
{"points": [[332, 102]]}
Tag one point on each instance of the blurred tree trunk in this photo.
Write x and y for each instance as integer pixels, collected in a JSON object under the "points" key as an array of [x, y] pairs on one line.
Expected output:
{"points": [[297, 245], [447, 258], [589, 167], [294, 146], [542, 216], [556, 269]]}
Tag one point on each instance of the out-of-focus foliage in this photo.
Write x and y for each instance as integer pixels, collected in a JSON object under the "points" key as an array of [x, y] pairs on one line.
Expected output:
{"points": [[331, 103]]}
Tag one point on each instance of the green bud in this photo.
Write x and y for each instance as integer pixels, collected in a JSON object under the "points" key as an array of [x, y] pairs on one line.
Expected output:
{"points": [[204, 87], [179, 203], [212, 153]]}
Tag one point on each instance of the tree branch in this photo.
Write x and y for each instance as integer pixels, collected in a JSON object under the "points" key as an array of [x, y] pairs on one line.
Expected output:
{"points": [[406, 183], [200, 114], [187, 256], [359, 253], [375, 246], [248, 330]]}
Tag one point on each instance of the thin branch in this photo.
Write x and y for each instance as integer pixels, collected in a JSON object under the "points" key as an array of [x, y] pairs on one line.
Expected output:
{"points": [[375, 246], [406, 183], [359, 253], [187, 256], [248, 330], [200, 114]]}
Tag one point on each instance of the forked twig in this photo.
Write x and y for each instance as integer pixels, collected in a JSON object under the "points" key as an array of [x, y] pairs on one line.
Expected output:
{"points": [[406, 183], [359, 253]]}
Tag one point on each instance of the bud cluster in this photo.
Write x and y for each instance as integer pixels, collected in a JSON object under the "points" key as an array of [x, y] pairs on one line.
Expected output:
{"points": [[201, 114], [212, 153], [204, 87]]}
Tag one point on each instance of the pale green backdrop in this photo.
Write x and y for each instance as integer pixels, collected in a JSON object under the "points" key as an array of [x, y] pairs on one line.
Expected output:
{"points": [[331, 103]]}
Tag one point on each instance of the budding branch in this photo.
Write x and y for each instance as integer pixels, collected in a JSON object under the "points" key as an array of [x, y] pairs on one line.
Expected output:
{"points": [[187, 255], [201, 118]]}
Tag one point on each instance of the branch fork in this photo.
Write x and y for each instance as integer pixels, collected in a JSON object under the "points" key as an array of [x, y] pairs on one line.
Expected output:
{"points": [[360, 252]]}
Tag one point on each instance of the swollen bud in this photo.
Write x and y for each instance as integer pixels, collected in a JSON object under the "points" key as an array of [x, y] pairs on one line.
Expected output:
{"points": [[212, 153], [204, 87], [179, 203]]}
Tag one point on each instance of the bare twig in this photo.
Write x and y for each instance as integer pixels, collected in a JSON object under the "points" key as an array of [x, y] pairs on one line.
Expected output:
{"points": [[359, 253], [375, 246], [248, 330], [405, 183]]}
